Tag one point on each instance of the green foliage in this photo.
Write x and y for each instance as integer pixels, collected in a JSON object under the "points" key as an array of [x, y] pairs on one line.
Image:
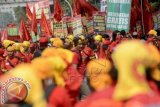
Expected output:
{"points": [[19, 12], [5, 18]]}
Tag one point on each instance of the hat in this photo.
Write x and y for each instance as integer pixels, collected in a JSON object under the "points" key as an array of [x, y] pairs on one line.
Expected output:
{"points": [[43, 40], [154, 62], [57, 42], [63, 53], [130, 59], [152, 32], [70, 38], [7, 43], [43, 70], [11, 49], [98, 38], [26, 43], [98, 73], [17, 46], [58, 66]]}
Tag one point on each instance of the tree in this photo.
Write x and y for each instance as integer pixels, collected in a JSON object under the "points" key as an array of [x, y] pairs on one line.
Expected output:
{"points": [[5, 18], [19, 12]]}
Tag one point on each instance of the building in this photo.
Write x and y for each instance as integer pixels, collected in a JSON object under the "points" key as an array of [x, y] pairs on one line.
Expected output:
{"points": [[9, 5]]}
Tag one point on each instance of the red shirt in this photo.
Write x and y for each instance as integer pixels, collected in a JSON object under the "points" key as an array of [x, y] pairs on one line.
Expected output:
{"points": [[100, 99], [9, 63], [144, 100], [59, 98]]}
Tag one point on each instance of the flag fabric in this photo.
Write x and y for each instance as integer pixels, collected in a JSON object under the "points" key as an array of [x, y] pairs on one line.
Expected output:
{"points": [[23, 32], [34, 22], [135, 14], [4, 35], [44, 25], [58, 11], [28, 12], [85, 8], [147, 16], [74, 8]]}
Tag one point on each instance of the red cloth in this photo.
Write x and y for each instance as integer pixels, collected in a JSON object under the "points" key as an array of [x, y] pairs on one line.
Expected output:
{"points": [[45, 26], [34, 22], [100, 99], [59, 98], [6, 65], [4, 35], [154, 87], [144, 100], [27, 57], [83, 7], [28, 12], [101, 52], [148, 19], [58, 11], [73, 83], [23, 32]]}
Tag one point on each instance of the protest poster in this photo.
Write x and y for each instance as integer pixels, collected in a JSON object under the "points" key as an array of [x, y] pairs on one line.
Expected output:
{"points": [[74, 25], [118, 15], [77, 26], [59, 29], [39, 6], [158, 18], [90, 27], [99, 22], [12, 29]]}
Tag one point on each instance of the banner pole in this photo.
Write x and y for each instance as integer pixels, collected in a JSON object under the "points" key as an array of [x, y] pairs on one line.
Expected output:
{"points": [[142, 17], [69, 7]]}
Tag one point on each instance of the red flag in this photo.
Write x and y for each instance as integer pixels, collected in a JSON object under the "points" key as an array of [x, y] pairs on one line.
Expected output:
{"points": [[84, 7], [23, 32], [44, 25], [58, 11], [34, 22], [28, 12], [4, 35], [74, 8], [147, 16]]}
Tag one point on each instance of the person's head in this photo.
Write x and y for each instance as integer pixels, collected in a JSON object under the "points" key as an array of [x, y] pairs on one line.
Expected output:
{"points": [[116, 35], [43, 42], [123, 33], [10, 51], [97, 39], [98, 74], [56, 42], [135, 35], [153, 70], [79, 43], [131, 59], [26, 45], [7, 43], [69, 42], [106, 36], [152, 33]]}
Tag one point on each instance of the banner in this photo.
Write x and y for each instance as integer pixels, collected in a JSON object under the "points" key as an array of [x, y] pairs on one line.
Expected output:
{"points": [[12, 31], [156, 19], [74, 25], [118, 14], [90, 27], [103, 4], [99, 22], [60, 29], [45, 5], [77, 26]]}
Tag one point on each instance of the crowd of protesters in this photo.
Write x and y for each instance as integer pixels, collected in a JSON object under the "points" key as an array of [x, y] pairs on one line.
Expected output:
{"points": [[98, 70]]}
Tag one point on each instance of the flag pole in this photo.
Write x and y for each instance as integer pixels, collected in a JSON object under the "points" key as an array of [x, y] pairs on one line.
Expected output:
{"points": [[69, 7], [142, 17]]}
